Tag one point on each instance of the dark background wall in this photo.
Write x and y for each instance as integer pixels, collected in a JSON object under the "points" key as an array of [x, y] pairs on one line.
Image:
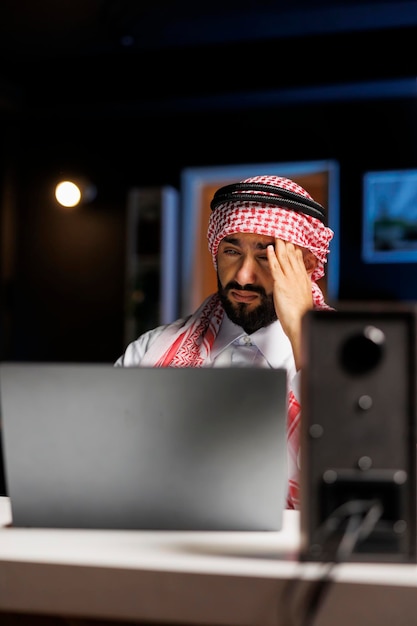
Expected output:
{"points": [[333, 81]]}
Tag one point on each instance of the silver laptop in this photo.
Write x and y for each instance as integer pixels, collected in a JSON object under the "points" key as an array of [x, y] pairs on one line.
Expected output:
{"points": [[96, 446]]}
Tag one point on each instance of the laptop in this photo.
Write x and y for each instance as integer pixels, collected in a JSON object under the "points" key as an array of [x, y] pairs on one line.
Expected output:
{"points": [[104, 447]]}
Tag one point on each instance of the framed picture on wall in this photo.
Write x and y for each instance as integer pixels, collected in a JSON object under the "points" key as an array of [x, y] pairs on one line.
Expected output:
{"points": [[198, 185], [389, 233]]}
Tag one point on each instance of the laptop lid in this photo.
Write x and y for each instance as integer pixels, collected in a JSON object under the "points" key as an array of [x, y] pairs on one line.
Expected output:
{"points": [[97, 446]]}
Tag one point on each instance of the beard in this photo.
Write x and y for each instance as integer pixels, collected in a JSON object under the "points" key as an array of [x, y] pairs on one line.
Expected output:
{"points": [[251, 321]]}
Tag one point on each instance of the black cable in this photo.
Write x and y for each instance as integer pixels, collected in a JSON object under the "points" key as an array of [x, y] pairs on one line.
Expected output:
{"points": [[358, 529], [362, 517], [369, 511]]}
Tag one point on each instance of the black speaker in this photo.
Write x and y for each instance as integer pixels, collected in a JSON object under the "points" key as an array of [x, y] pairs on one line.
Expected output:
{"points": [[358, 434]]}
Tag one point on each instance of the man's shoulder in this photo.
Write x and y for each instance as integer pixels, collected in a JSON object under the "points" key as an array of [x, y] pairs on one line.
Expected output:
{"points": [[149, 336], [158, 330], [137, 349]]}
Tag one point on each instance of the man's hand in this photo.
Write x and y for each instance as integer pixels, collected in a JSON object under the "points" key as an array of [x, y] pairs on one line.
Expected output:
{"points": [[291, 267]]}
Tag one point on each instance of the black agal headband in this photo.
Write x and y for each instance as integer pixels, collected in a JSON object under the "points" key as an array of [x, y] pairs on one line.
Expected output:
{"points": [[282, 198]]}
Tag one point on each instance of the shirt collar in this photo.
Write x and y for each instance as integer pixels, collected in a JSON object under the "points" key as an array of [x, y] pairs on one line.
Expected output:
{"points": [[271, 341]]}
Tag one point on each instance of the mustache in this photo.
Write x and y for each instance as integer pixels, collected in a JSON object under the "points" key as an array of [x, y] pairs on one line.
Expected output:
{"points": [[237, 287]]}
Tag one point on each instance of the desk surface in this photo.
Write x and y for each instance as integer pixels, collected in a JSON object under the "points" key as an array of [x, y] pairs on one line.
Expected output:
{"points": [[192, 578]]}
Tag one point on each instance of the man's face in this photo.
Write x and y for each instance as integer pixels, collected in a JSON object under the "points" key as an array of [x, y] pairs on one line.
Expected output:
{"points": [[244, 280]]}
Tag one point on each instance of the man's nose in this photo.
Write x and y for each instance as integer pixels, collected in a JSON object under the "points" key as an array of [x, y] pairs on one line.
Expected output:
{"points": [[246, 273]]}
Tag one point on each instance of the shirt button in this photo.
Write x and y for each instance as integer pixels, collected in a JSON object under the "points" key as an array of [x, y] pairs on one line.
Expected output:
{"points": [[247, 340]]}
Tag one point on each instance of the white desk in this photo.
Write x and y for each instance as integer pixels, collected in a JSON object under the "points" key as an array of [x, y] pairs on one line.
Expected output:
{"points": [[230, 579]]}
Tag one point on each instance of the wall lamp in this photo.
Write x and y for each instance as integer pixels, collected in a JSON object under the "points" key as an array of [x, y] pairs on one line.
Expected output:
{"points": [[72, 193]]}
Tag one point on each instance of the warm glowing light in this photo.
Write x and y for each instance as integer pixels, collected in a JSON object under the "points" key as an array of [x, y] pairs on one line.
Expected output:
{"points": [[68, 194]]}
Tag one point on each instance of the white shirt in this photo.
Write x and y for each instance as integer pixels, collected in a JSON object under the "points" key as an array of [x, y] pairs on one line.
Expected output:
{"points": [[267, 347]]}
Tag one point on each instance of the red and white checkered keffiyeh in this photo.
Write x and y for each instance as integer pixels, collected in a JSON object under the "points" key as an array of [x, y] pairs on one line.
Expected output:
{"points": [[267, 219], [188, 343]]}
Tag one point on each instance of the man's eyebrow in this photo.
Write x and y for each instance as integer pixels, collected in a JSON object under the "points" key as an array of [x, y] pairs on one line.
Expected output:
{"points": [[263, 246]]}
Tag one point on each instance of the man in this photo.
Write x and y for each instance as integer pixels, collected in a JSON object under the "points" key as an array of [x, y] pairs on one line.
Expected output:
{"points": [[269, 244]]}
